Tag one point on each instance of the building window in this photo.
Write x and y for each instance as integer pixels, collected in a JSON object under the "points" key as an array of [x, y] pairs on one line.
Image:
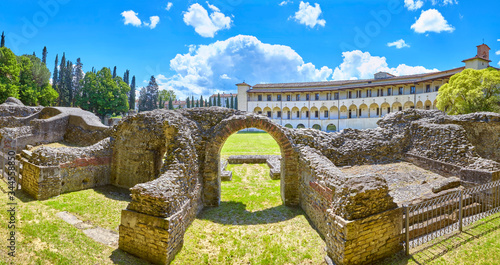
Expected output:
{"points": [[359, 113], [427, 88], [358, 93], [382, 92], [401, 91], [336, 95], [316, 97], [316, 114], [369, 93], [350, 114], [389, 91], [279, 114], [400, 108], [412, 90], [307, 114], [260, 112], [350, 94], [437, 88], [259, 97], [278, 97], [297, 97], [269, 98], [269, 114], [388, 110], [326, 113], [298, 114], [307, 96], [378, 111], [288, 97], [288, 115]]}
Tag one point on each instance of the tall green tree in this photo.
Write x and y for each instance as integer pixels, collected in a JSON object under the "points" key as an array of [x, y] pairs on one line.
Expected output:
{"points": [[2, 42], [236, 102], [69, 84], [55, 74], [227, 102], [34, 87], [61, 81], [471, 91], [188, 104], [114, 72], [44, 55], [9, 74], [102, 94], [197, 103], [77, 80], [209, 102], [170, 104], [149, 101], [218, 100], [126, 76], [232, 102], [192, 102], [201, 101], [131, 98]]}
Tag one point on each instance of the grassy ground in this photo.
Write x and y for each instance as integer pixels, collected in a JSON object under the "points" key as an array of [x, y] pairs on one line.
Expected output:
{"points": [[250, 227]]}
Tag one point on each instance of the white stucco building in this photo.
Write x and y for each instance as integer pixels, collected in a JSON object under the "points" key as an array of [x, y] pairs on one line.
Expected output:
{"points": [[336, 105]]}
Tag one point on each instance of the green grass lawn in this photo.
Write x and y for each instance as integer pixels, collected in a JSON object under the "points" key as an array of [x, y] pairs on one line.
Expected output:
{"points": [[250, 227]]}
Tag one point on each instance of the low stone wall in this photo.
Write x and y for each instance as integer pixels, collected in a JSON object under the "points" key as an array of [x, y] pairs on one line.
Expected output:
{"points": [[272, 161]]}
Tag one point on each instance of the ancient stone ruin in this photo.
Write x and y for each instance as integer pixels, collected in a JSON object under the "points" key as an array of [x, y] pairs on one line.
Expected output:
{"points": [[171, 162]]}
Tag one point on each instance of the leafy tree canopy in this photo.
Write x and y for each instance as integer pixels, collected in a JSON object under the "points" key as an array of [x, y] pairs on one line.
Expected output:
{"points": [[471, 91]]}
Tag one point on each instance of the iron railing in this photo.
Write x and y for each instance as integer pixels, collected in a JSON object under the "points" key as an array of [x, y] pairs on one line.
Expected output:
{"points": [[428, 220]]}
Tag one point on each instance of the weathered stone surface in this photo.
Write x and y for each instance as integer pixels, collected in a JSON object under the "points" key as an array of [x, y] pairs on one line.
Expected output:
{"points": [[446, 184]]}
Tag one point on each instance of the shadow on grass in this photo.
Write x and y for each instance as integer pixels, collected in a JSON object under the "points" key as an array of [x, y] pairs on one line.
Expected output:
{"points": [[119, 256], [445, 244], [114, 193], [235, 213]]}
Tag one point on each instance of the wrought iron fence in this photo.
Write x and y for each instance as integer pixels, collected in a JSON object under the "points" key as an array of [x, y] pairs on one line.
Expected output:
{"points": [[425, 221]]}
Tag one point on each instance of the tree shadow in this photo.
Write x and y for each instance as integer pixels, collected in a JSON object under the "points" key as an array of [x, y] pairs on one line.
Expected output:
{"points": [[235, 213], [119, 256]]}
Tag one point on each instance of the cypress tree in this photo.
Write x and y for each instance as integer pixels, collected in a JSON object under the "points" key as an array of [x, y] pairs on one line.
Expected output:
{"points": [[170, 105], [78, 76], [55, 74], [34, 54], [206, 102], [197, 103], [2, 43], [60, 80], [236, 102], [188, 104], [192, 102], [227, 102], [232, 102], [201, 101], [210, 102], [69, 83], [114, 72], [218, 99], [44, 55], [131, 98], [126, 77]]}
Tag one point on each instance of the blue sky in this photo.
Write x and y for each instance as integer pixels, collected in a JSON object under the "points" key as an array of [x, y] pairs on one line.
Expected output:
{"points": [[200, 47]]}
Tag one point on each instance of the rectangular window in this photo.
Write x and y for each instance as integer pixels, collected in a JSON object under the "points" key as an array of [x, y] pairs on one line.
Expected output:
{"points": [[336, 95], [389, 91], [358, 94], [382, 92], [297, 97], [359, 113], [427, 88], [368, 93], [298, 114], [350, 94], [401, 91], [328, 96], [316, 97], [326, 113], [288, 97], [259, 97], [412, 90], [307, 96], [269, 114], [288, 115], [437, 88], [279, 114], [400, 108], [278, 97], [316, 114], [307, 114], [378, 111], [269, 98]]}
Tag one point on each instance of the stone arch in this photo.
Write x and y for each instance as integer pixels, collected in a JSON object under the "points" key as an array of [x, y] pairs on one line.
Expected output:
{"points": [[353, 111], [322, 113], [288, 125], [313, 113], [304, 112], [334, 112], [295, 116], [363, 111], [408, 105], [286, 113], [428, 105], [420, 105], [396, 106], [331, 127], [374, 110], [257, 110], [267, 112], [343, 112], [317, 127], [301, 126], [277, 110], [211, 177], [385, 109]]}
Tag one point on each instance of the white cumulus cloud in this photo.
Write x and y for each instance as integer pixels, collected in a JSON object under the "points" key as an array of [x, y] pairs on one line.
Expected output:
{"points": [[362, 65], [309, 15], [431, 21], [169, 5], [130, 17], [205, 25], [444, 2], [398, 44], [154, 20], [413, 5], [286, 2], [217, 67]]}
